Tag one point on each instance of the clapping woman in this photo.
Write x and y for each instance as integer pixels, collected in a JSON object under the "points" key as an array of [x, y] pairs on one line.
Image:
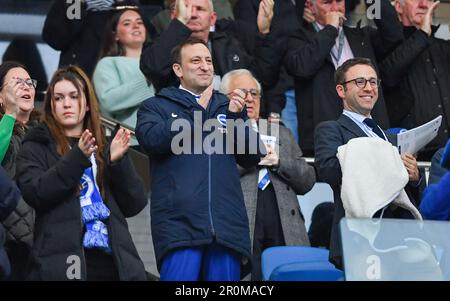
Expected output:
{"points": [[82, 188]]}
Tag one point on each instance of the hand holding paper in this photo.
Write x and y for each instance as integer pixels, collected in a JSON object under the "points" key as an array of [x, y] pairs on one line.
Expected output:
{"points": [[411, 141]]}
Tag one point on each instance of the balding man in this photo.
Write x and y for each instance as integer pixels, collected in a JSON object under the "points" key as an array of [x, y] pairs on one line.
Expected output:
{"points": [[416, 74]]}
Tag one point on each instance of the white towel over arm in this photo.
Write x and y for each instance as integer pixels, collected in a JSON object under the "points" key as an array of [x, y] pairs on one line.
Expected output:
{"points": [[373, 176]]}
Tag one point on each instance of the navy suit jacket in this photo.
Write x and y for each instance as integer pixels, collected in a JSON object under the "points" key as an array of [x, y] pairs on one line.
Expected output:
{"points": [[328, 136]]}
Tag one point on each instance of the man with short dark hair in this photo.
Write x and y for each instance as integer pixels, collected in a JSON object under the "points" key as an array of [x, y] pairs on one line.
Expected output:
{"points": [[199, 223], [318, 49], [357, 85]]}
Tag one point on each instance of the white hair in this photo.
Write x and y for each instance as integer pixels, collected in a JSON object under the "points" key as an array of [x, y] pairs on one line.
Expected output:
{"points": [[167, 3], [226, 79]]}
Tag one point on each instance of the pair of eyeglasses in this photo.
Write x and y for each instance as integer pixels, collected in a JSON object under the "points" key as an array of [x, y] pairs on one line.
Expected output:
{"points": [[31, 83], [253, 92], [361, 82]]}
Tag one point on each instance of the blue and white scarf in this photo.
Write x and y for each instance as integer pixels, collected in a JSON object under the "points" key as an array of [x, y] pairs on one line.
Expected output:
{"points": [[93, 211]]}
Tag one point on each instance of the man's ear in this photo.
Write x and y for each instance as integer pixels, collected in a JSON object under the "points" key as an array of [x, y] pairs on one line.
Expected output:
{"points": [[177, 70], [310, 5], [398, 7], [340, 89], [213, 19]]}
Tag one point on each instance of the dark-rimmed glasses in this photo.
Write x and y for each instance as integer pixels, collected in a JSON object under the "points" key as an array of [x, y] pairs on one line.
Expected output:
{"points": [[361, 82]]}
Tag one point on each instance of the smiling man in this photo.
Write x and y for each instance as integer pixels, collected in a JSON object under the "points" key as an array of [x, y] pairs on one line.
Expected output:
{"points": [[199, 223], [357, 85]]}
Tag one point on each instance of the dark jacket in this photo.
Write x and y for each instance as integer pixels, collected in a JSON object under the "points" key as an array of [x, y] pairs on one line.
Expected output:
{"points": [[50, 184], [19, 225], [329, 136], [196, 198], [9, 196], [285, 21], [79, 40], [416, 77], [228, 53], [308, 59]]}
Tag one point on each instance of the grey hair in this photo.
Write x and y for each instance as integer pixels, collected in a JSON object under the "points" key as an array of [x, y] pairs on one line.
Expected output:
{"points": [[167, 4], [226, 79]]}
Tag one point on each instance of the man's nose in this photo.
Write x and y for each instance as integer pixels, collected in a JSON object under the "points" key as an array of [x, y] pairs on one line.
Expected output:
{"points": [[423, 3], [194, 13], [204, 65]]}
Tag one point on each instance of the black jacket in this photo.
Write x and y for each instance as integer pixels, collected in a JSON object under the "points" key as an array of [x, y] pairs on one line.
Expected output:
{"points": [[50, 184], [9, 196], [228, 53], [416, 76], [328, 137], [308, 59], [19, 225], [79, 40], [285, 21]]}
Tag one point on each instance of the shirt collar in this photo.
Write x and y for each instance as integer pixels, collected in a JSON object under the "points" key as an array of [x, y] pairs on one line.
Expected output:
{"points": [[360, 118], [193, 94]]}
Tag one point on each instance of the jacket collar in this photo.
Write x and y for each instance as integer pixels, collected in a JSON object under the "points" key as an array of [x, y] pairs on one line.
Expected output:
{"points": [[409, 30], [352, 127], [41, 134]]}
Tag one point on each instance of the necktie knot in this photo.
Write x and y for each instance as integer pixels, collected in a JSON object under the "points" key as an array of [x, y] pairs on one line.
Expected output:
{"points": [[372, 124]]}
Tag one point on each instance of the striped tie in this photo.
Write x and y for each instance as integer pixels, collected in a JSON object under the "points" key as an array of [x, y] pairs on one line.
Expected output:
{"points": [[263, 179]]}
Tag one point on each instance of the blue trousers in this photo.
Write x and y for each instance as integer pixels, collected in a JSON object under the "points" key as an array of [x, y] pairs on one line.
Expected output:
{"points": [[210, 263]]}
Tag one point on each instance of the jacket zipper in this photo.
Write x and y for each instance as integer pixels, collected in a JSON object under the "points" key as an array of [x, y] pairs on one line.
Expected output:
{"points": [[213, 231], [209, 196]]}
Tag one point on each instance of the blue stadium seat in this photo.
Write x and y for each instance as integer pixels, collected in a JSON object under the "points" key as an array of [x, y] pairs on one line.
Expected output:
{"points": [[307, 271], [288, 258]]}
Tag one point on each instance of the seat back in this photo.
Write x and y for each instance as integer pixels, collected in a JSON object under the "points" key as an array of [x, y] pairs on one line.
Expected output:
{"points": [[274, 257], [307, 271]]}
